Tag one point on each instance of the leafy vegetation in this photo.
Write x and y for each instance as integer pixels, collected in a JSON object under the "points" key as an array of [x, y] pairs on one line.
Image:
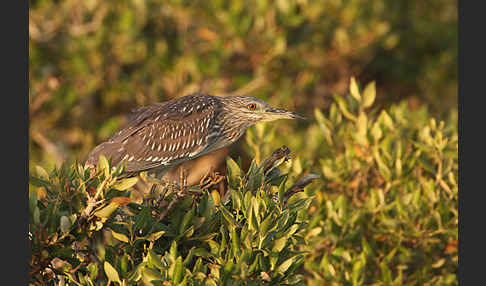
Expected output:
{"points": [[92, 61], [382, 211], [367, 195]]}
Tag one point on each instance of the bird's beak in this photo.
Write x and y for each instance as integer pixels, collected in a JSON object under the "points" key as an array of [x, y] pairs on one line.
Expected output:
{"points": [[275, 113]]}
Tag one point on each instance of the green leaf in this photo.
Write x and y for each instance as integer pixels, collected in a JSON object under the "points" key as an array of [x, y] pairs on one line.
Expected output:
{"points": [[376, 132], [267, 224], [353, 89], [323, 126], [281, 191], [236, 197], [173, 250], [155, 260], [369, 94], [32, 199], [216, 197], [111, 272], [228, 216], [234, 173], [119, 236], [279, 244], [142, 219], [42, 173], [235, 242], [202, 253], [178, 268], [362, 128], [65, 224], [36, 216], [125, 184], [189, 256], [342, 107], [186, 220], [156, 235], [107, 210], [252, 220], [150, 274], [382, 168], [103, 165], [386, 120], [285, 265]]}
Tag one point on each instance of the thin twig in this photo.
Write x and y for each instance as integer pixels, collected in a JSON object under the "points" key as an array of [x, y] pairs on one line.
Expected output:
{"points": [[276, 157], [169, 207], [300, 185]]}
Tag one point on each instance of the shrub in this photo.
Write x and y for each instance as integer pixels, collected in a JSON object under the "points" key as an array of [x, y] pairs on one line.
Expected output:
{"points": [[88, 231], [384, 211]]}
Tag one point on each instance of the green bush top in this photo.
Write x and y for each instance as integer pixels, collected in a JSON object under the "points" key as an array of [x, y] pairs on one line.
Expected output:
{"points": [[366, 197]]}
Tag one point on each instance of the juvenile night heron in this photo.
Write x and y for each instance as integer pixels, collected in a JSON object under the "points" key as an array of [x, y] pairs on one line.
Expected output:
{"points": [[162, 135]]}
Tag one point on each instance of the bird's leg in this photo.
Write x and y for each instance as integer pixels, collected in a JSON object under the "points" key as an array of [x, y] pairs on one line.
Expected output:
{"points": [[211, 179], [157, 192], [179, 193], [182, 182]]}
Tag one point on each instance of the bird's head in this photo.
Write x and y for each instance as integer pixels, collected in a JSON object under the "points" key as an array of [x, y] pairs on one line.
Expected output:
{"points": [[256, 110]]}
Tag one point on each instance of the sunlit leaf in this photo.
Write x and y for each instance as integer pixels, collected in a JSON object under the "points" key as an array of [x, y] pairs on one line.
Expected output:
{"points": [[353, 89], [125, 184], [111, 272], [119, 236], [369, 94]]}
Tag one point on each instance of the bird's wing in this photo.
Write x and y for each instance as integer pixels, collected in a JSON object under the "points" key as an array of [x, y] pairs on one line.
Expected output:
{"points": [[164, 134]]}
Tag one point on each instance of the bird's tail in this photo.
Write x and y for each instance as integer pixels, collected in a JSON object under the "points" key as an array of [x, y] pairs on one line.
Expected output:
{"points": [[108, 149]]}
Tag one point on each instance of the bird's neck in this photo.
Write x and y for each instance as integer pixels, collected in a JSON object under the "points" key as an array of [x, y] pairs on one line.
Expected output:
{"points": [[234, 128]]}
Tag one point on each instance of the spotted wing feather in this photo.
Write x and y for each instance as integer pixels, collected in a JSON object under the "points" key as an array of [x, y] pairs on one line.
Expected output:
{"points": [[164, 134]]}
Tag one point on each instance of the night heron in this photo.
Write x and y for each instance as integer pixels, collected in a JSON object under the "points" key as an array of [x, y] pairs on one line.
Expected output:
{"points": [[162, 135]]}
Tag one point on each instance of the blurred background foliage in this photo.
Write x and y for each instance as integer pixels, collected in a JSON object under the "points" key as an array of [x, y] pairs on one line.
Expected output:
{"points": [[92, 61]]}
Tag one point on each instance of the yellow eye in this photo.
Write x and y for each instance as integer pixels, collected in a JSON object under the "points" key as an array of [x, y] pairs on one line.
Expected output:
{"points": [[251, 106]]}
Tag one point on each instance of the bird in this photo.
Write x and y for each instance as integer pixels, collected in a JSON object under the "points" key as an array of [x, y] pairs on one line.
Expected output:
{"points": [[161, 135]]}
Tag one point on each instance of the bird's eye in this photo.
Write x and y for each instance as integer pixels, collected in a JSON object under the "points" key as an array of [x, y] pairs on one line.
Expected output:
{"points": [[251, 106]]}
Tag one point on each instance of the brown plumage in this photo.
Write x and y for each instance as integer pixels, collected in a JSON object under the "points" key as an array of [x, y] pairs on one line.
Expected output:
{"points": [[162, 135]]}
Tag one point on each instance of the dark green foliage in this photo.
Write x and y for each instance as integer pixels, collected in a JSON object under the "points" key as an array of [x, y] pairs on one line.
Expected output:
{"points": [[105, 237], [383, 213]]}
